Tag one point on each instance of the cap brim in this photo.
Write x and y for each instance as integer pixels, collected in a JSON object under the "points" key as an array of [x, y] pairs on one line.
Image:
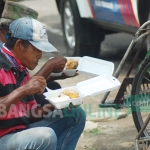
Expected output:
{"points": [[44, 46]]}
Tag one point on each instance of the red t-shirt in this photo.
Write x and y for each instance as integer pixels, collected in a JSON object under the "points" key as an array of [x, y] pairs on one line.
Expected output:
{"points": [[10, 79]]}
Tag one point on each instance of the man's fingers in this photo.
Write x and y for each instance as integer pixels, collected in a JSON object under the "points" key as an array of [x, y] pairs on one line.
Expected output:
{"points": [[36, 85], [39, 80]]}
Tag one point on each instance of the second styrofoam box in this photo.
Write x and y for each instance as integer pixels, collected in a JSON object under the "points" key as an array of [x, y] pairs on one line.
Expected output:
{"points": [[95, 66], [90, 87], [89, 65], [71, 72]]}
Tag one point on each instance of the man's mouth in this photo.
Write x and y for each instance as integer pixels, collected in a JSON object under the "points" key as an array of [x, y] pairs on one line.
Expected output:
{"points": [[36, 63]]}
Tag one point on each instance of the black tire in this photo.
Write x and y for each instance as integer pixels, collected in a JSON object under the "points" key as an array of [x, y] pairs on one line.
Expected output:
{"points": [[148, 38], [87, 35], [140, 96]]}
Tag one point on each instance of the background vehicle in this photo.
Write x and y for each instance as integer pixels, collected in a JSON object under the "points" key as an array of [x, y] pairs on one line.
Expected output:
{"points": [[86, 22]]}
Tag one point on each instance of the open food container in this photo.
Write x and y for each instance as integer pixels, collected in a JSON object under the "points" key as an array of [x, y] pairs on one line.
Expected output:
{"points": [[89, 65], [68, 72], [90, 87]]}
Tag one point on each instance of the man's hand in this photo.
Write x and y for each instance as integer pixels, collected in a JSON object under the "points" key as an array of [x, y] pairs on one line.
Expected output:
{"points": [[55, 64], [58, 63], [35, 85]]}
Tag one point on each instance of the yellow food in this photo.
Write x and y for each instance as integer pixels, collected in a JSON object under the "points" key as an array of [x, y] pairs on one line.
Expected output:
{"points": [[71, 64], [71, 94]]}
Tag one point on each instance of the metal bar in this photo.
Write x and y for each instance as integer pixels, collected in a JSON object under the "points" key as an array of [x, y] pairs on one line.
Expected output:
{"points": [[142, 27], [129, 50], [143, 128], [136, 145], [141, 36], [145, 145], [136, 56], [144, 139], [122, 89], [119, 68]]}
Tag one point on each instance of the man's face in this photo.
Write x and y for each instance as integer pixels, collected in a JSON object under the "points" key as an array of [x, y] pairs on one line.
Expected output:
{"points": [[28, 56]]}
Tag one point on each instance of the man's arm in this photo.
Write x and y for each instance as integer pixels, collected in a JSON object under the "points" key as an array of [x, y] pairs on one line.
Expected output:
{"points": [[56, 65], [35, 85], [12, 98]]}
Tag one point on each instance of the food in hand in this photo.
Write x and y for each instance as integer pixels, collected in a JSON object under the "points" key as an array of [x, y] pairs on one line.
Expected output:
{"points": [[71, 93], [71, 64]]}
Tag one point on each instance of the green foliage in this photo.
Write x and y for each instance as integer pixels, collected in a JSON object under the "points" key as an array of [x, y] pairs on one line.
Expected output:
{"points": [[94, 131]]}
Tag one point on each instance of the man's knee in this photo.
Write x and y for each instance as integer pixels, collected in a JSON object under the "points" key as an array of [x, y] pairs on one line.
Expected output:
{"points": [[44, 137], [46, 134], [81, 115]]}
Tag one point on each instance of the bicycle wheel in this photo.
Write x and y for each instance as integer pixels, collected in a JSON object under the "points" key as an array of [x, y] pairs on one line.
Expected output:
{"points": [[140, 96]]}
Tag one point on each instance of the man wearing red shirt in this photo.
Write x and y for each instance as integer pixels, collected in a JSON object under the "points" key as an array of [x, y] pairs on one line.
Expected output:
{"points": [[23, 125]]}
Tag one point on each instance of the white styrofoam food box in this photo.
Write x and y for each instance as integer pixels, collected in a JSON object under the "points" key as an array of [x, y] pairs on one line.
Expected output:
{"points": [[89, 65], [95, 66], [90, 87], [70, 72]]}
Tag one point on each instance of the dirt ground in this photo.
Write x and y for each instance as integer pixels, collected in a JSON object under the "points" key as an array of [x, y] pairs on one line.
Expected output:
{"points": [[109, 135]]}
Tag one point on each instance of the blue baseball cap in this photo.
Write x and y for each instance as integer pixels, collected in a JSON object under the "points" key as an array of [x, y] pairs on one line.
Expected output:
{"points": [[33, 31]]}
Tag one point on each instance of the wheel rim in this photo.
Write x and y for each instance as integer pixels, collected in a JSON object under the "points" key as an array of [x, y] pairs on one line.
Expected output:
{"points": [[142, 93], [69, 25]]}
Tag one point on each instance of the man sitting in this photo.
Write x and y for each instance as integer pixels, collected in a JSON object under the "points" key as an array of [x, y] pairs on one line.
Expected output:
{"points": [[22, 124]]}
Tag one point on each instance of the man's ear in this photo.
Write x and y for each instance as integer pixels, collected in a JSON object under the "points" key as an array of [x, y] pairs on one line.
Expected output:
{"points": [[19, 46]]}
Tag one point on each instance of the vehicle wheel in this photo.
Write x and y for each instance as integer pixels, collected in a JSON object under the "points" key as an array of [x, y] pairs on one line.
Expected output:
{"points": [[140, 96], [148, 38], [81, 36], [148, 43]]}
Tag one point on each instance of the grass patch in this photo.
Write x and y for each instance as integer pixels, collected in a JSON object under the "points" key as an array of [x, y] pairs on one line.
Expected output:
{"points": [[94, 131]]}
